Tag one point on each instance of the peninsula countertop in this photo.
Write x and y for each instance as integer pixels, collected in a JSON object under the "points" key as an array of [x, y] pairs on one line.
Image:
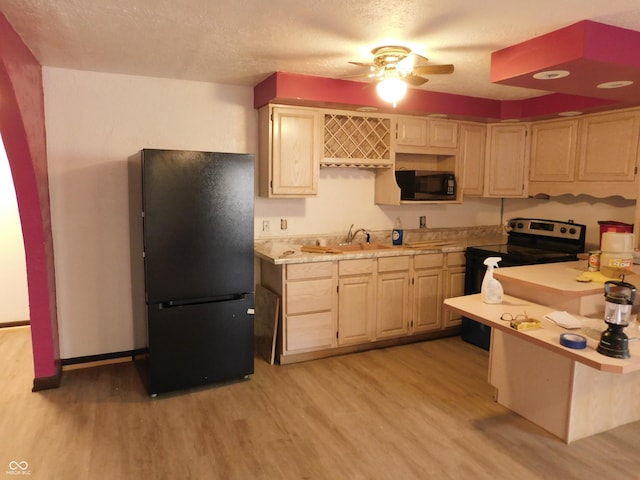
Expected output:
{"points": [[546, 337], [558, 278], [557, 285]]}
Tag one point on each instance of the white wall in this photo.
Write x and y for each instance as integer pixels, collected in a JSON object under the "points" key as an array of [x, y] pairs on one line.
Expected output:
{"points": [[96, 120], [14, 299], [346, 196]]}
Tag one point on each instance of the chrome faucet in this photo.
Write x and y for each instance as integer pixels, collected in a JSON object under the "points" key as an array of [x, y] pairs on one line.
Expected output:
{"points": [[352, 235]]}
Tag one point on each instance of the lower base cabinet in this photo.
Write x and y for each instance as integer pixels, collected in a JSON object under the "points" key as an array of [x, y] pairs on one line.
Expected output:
{"points": [[453, 286], [427, 293], [392, 313], [309, 307], [325, 305], [356, 301]]}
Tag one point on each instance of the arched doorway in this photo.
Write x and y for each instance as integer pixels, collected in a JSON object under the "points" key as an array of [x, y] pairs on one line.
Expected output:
{"points": [[14, 301], [22, 124]]}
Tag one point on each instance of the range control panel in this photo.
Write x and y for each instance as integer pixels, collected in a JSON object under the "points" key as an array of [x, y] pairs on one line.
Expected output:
{"points": [[547, 228]]}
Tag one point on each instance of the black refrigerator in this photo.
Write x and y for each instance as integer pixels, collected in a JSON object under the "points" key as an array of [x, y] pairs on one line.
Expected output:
{"points": [[191, 216]]}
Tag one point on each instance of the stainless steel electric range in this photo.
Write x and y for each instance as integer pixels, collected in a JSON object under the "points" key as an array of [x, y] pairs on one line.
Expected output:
{"points": [[530, 241]]}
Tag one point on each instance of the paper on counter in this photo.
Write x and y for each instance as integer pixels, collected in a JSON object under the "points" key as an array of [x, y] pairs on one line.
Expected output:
{"points": [[564, 319]]}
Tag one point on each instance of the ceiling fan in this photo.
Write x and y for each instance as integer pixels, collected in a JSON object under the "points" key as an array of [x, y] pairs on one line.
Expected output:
{"points": [[395, 67]]}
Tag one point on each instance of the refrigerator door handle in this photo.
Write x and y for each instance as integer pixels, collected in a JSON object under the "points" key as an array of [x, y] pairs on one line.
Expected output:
{"points": [[199, 301]]}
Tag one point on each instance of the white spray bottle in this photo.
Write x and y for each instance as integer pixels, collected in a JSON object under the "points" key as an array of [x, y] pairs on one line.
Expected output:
{"points": [[491, 290]]}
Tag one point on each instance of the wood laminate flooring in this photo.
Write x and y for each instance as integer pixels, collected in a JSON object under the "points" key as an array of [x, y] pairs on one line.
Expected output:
{"points": [[417, 411]]}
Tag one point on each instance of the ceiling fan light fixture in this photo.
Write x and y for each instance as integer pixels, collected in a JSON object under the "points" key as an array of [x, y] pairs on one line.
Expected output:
{"points": [[392, 90]]}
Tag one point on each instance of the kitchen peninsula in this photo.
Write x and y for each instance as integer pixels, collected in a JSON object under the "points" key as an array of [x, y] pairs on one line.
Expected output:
{"points": [[572, 393]]}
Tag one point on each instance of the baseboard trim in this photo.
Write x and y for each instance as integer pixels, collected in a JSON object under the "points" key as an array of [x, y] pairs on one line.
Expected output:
{"points": [[102, 359], [17, 323], [46, 383]]}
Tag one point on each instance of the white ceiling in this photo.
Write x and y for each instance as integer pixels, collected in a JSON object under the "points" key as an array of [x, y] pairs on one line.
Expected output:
{"points": [[241, 42]]}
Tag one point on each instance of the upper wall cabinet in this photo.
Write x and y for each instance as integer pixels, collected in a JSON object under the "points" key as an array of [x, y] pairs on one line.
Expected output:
{"points": [[426, 135], [553, 151], [352, 140], [472, 157], [290, 146], [594, 155], [609, 147], [507, 160]]}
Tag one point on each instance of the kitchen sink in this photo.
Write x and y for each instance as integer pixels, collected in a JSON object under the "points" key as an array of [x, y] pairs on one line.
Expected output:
{"points": [[360, 247]]}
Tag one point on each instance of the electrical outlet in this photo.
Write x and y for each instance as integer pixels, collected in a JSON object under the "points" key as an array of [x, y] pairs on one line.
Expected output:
{"points": [[265, 225], [423, 221], [283, 224]]}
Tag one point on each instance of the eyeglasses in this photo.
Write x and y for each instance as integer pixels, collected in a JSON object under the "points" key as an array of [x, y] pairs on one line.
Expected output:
{"points": [[508, 317]]}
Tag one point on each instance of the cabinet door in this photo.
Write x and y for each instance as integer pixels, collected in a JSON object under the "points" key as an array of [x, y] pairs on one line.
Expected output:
{"points": [[553, 151], [507, 161], [412, 131], [427, 300], [295, 155], [392, 311], [443, 133], [609, 147], [356, 309], [454, 287], [472, 155]]}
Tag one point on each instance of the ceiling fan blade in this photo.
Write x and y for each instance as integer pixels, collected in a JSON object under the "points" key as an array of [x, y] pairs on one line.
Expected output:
{"points": [[360, 64], [432, 69], [416, 58], [414, 80]]}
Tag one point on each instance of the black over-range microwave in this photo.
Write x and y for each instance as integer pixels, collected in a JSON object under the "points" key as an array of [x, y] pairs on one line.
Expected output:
{"points": [[426, 185]]}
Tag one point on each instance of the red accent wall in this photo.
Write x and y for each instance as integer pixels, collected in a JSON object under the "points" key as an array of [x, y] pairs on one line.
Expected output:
{"points": [[22, 123]]}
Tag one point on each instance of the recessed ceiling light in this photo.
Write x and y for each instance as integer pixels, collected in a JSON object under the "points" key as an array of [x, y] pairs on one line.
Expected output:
{"points": [[616, 84], [438, 115], [367, 109], [570, 113], [551, 74]]}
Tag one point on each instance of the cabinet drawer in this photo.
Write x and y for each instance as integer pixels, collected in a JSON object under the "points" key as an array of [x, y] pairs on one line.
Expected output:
{"points": [[355, 267], [393, 264], [456, 259], [309, 296], [428, 261], [310, 332], [300, 271]]}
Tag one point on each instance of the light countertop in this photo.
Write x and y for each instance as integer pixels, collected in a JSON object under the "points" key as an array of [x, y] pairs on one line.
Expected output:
{"points": [[560, 278], [285, 252], [548, 336]]}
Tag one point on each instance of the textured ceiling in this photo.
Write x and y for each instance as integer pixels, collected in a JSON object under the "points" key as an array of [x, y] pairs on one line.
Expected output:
{"points": [[242, 42]]}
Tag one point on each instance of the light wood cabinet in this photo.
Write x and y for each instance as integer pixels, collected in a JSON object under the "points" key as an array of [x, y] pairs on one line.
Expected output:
{"points": [[393, 309], [453, 285], [553, 151], [609, 147], [507, 161], [350, 305], [356, 301], [309, 307], [427, 293], [473, 139], [595, 155], [425, 135], [290, 146], [412, 131], [353, 140]]}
